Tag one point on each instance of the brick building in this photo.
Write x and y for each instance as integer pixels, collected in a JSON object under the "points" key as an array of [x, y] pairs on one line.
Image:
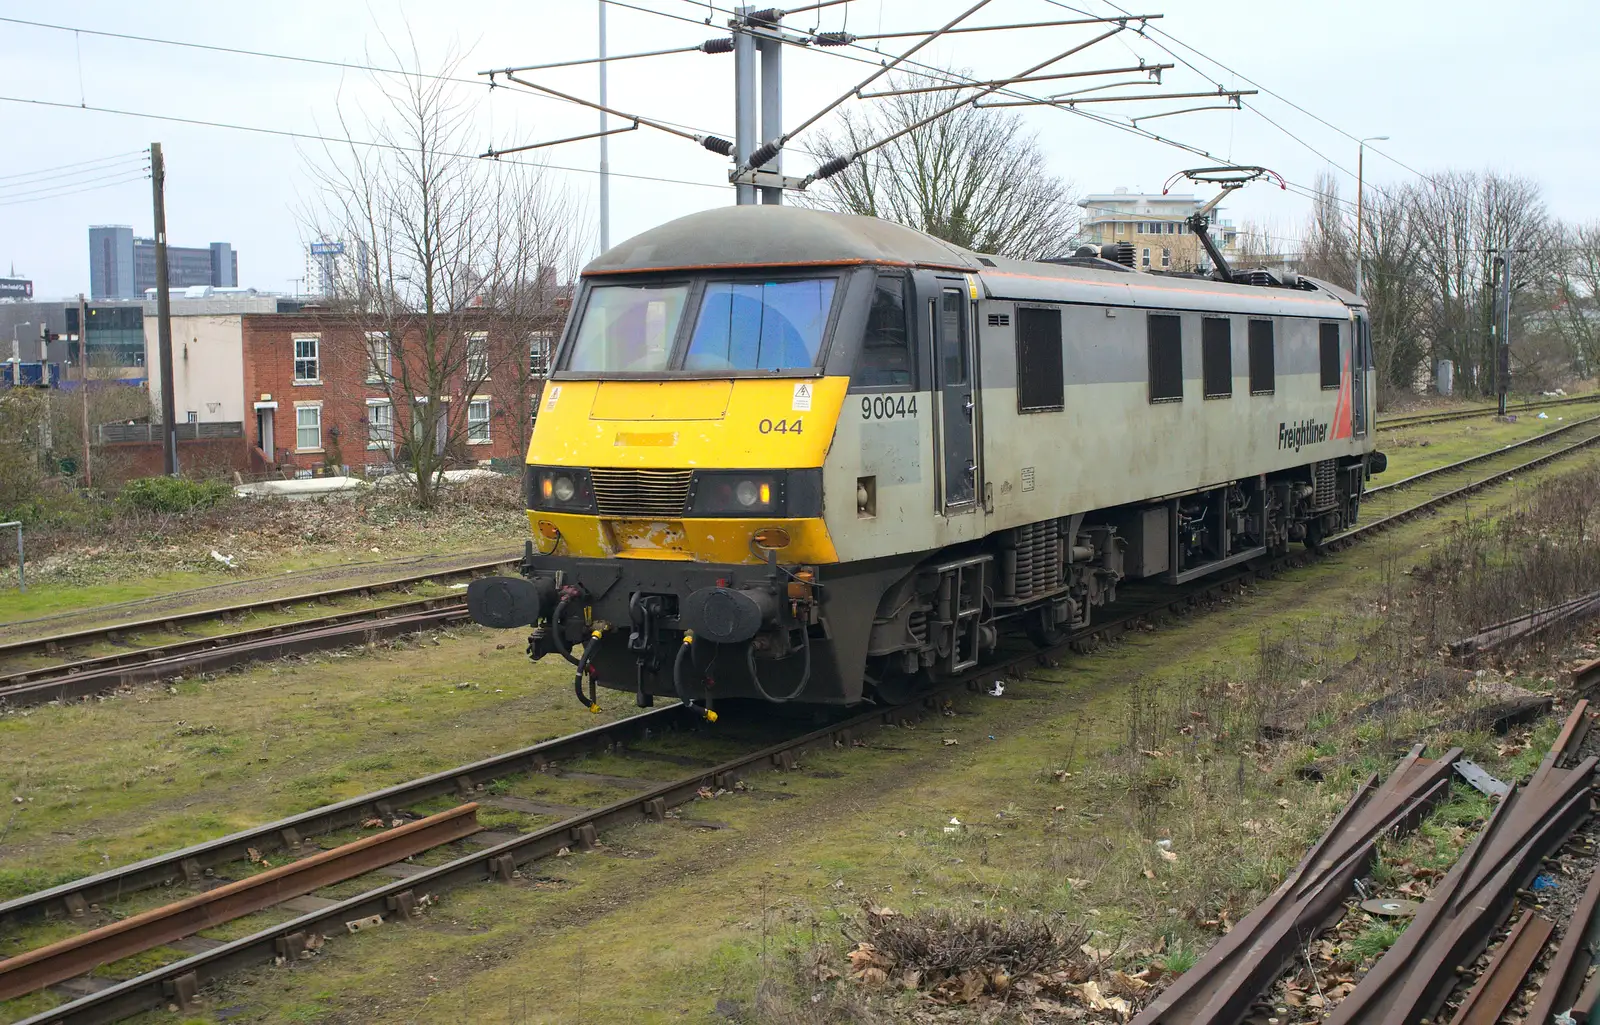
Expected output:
{"points": [[314, 385]]}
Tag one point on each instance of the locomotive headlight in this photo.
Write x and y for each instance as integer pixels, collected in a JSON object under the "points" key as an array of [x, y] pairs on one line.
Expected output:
{"points": [[560, 489], [749, 494]]}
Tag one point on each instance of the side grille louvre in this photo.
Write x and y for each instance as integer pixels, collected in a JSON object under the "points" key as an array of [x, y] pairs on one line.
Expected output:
{"points": [[640, 493], [1324, 478]]}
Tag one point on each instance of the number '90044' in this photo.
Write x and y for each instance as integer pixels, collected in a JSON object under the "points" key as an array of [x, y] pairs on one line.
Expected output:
{"points": [[888, 407]]}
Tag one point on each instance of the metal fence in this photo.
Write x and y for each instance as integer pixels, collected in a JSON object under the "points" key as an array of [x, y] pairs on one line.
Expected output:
{"points": [[113, 433]]}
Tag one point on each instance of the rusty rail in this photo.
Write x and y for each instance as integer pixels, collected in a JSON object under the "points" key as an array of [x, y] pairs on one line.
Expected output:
{"points": [[1498, 985], [1527, 625], [71, 899], [1411, 980], [1564, 976], [1220, 989], [76, 955]]}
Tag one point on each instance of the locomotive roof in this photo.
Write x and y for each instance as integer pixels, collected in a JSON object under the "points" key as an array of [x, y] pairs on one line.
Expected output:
{"points": [[737, 236], [776, 236]]}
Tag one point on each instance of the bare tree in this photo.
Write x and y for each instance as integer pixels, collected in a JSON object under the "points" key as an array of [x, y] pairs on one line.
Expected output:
{"points": [[1329, 244], [1575, 302], [1395, 291], [1464, 219], [974, 177], [452, 262]]}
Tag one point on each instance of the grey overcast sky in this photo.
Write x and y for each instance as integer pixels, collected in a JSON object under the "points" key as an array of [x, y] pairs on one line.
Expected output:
{"points": [[1465, 85]]}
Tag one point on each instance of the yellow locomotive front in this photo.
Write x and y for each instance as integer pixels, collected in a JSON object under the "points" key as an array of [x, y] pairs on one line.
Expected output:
{"points": [[675, 477]]}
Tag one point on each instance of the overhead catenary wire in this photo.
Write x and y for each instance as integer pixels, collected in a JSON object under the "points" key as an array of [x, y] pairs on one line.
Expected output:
{"points": [[298, 59], [66, 185], [600, 60], [1243, 77], [947, 86], [1015, 25], [317, 137]]}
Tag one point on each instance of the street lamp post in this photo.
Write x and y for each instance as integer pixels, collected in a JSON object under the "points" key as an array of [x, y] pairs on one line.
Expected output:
{"points": [[16, 346], [1361, 153]]}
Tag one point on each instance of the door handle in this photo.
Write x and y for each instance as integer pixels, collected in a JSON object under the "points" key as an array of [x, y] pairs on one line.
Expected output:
{"points": [[967, 406]]}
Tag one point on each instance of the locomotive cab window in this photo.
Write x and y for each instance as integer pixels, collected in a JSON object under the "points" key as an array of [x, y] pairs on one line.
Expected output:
{"points": [[1216, 357], [1330, 356], [628, 328], [1040, 384], [760, 325], [1166, 358], [886, 358], [1263, 372]]}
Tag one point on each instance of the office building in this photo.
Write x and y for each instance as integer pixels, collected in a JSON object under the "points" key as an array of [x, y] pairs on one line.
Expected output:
{"points": [[1155, 225], [123, 266]]}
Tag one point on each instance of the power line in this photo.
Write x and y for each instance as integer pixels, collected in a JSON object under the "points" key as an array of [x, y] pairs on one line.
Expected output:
{"points": [[113, 159], [67, 185], [314, 137], [141, 176]]}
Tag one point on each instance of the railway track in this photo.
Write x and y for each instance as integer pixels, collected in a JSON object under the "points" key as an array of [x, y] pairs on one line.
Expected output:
{"points": [[174, 622], [95, 674], [1394, 423], [499, 857]]}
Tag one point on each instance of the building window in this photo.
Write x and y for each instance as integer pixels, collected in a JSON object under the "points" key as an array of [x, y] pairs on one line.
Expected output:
{"points": [[1216, 357], [307, 366], [308, 428], [380, 425], [1330, 356], [478, 356], [377, 357], [1145, 259], [1262, 361], [885, 359], [539, 347], [1166, 358], [1040, 384], [1166, 257], [478, 422]]}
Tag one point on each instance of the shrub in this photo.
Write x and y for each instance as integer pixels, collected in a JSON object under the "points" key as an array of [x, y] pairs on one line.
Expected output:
{"points": [[173, 494]]}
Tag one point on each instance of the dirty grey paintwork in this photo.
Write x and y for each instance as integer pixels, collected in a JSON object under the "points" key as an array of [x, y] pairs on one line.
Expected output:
{"points": [[1109, 445]]}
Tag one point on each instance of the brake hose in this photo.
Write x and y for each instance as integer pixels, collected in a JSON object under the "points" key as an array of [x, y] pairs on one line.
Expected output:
{"points": [[555, 628], [805, 673], [592, 701], [684, 652]]}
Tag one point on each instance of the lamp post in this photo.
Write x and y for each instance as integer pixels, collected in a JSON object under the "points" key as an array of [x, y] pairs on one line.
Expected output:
{"points": [[1361, 153], [16, 346]]}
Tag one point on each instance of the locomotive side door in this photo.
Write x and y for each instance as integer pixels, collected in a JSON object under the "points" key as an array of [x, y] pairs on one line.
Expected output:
{"points": [[953, 371], [1360, 360]]}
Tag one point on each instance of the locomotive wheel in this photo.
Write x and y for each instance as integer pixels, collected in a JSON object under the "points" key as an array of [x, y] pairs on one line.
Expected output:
{"points": [[1314, 535], [1043, 636], [893, 685]]}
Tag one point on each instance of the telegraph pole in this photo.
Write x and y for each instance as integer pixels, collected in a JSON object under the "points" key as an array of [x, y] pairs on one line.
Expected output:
{"points": [[605, 149], [83, 383], [169, 416]]}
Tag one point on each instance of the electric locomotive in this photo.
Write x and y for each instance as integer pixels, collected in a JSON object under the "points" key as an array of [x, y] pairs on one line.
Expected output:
{"points": [[805, 456]]}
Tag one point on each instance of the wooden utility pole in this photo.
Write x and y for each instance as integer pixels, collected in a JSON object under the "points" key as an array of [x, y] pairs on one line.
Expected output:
{"points": [[169, 416], [83, 383]]}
